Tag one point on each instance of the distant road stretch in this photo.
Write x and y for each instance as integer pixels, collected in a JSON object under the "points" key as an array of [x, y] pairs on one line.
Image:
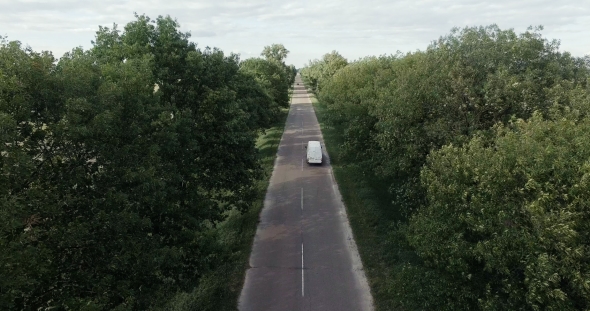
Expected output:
{"points": [[304, 256]]}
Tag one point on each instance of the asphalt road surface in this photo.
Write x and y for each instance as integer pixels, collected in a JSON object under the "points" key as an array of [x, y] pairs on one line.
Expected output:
{"points": [[304, 256]]}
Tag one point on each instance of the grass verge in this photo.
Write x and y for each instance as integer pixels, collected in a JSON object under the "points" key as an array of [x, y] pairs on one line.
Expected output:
{"points": [[220, 288], [368, 205]]}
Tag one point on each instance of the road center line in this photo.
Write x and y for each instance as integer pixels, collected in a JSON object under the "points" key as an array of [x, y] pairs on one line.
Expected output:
{"points": [[301, 198], [302, 274]]}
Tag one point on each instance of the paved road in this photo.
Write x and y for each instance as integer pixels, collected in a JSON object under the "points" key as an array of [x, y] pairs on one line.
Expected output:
{"points": [[304, 256]]}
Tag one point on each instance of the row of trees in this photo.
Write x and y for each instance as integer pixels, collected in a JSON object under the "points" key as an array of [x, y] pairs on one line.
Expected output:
{"points": [[117, 161], [319, 71], [483, 140]]}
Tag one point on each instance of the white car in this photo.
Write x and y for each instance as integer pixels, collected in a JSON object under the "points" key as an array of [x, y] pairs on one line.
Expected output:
{"points": [[314, 152]]}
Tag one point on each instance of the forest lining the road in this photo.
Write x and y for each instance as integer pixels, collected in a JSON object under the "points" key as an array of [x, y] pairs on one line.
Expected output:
{"points": [[132, 173], [464, 169]]}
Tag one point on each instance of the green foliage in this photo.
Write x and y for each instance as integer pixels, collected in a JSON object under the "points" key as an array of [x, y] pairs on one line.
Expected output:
{"points": [[219, 289], [119, 167], [271, 76], [261, 111], [394, 112], [28, 101], [350, 98], [405, 106], [465, 83], [318, 72], [275, 52], [507, 221], [291, 73]]}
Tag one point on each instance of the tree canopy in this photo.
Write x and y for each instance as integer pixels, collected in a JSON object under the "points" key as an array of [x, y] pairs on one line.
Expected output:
{"points": [[117, 162], [276, 52], [479, 140], [507, 221]]}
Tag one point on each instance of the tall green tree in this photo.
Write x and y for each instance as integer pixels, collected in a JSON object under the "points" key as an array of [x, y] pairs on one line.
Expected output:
{"points": [[271, 76], [350, 96], [507, 222], [396, 113], [117, 163], [319, 72], [276, 52], [28, 102], [464, 83]]}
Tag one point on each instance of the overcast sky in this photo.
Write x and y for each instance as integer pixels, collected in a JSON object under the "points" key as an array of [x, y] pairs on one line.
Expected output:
{"points": [[307, 28]]}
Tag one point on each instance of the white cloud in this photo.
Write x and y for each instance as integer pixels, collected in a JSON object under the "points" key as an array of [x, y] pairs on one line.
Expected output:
{"points": [[307, 28]]}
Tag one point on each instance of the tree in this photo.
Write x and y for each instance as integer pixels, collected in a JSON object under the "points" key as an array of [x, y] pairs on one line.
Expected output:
{"points": [[275, 52], [463, 84], [319, 72], [271, 76], [350, 96], [260, 108], [117, 163], [28, 102], [508, 221], [400, 111]]}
